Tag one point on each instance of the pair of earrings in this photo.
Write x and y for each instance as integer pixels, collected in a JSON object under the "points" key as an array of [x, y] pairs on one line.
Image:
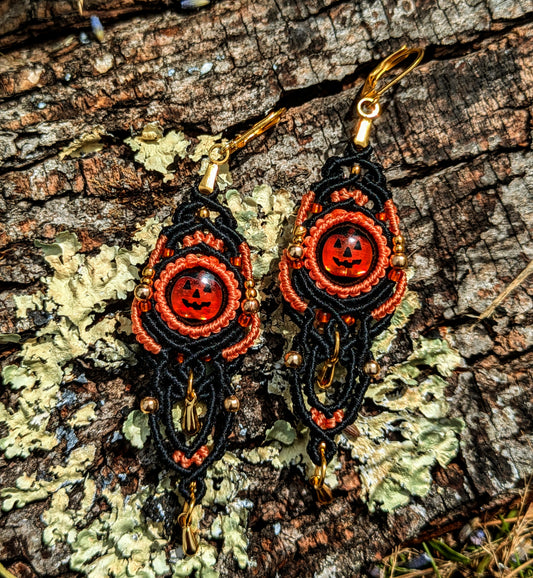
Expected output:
{"points": [[196, 310]]}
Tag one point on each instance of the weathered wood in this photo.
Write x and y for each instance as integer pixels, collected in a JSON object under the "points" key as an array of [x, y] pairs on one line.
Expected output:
{"points": [[455, 140]]}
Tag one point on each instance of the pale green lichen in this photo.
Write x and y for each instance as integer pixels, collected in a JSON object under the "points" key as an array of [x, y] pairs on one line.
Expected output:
{"points": [[261, 218]]}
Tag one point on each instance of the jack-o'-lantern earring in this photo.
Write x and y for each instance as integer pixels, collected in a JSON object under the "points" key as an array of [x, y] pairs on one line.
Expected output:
{"points": [[343, 275], [196, 313]]}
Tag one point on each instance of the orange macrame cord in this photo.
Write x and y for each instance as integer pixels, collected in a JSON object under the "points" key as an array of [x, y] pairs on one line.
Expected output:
{"points": [[305, 208], [323, 422], [390, 305], [201, 237], [197, 458], [242, 346], [344, 195], [286, 285], [392, 217], [157, 252], [246, 265], [140, 332]]}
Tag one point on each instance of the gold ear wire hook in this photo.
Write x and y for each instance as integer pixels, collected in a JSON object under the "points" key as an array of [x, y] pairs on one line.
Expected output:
{"points": [[220, 153], [370, 87], [368, 107]]}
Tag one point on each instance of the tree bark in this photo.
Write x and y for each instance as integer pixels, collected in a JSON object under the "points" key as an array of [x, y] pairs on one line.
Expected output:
{"points": [[455, 142]]}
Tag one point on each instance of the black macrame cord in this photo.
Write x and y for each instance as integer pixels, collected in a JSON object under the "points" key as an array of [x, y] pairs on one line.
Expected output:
{"points": [[356, 340], [212, 378]]}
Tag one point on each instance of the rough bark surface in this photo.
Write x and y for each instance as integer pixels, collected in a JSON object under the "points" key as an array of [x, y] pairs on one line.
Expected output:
{"points": [[455, 140]]}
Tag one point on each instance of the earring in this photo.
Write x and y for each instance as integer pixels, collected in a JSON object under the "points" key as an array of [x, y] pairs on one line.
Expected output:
{"points": [[343, 275], [195, 312]]}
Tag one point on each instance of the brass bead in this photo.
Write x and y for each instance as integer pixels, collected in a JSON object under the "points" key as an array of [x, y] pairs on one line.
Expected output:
{"points": [[203, 213], [295, 252], [299, 231], [251, 293], [399, 248], [372, 368], [148, 272], [249, 284], [143, 292], [250, 306], [293, 359], [232, 404], [146, 280], [356, 170], [398, 240], [399, 261], [149, 405]]}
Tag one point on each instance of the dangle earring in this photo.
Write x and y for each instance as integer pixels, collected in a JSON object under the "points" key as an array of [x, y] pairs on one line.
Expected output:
{"points": [[343, 275], [195, 312]]}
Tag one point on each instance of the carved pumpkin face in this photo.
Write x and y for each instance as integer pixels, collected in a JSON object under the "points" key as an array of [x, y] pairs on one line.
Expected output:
{"points": [[346, 253], [197, 296]]}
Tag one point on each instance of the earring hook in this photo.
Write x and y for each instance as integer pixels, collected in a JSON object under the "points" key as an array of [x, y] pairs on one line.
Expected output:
{"points": [[368, 107]]}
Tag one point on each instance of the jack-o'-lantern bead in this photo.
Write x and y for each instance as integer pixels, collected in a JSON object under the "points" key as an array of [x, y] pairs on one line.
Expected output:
{"points": [[348, 319], [245, 320], [346, 253], [168, 252], [145, 306], [197, 296]]}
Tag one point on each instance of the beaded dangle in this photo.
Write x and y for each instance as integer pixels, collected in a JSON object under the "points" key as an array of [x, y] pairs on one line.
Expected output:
{"points": [[343, 275], [196, 313]]}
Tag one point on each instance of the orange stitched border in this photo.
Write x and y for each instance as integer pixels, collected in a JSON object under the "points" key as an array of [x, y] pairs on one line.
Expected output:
{"points": [[242, 346], [392, 216], [189, 262], [197, 458], [392, 302], [201, 237], [305, 207], [286, 285], [344, 195], [330, 220], [246, 265], [323, 422], [140, 332], [158, 250]]}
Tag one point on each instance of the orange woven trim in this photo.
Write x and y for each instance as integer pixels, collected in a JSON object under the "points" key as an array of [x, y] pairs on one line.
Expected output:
{"points": [[323, 422], [392, 216], [201, 237], [189, 262], [305, 208], [332, 219], [243, 345], [197, 458], [392, 302], [286, 287], [344, 195], [158, 251], [246, 264], [140, 332]]}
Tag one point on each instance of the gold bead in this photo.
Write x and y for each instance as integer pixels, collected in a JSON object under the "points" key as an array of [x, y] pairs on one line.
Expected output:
{"points": [[251, 293], [249, 284], [299, 231], [295, 252], [146, 280], [143, 292], [399, 261], [203, 213], [398, 240], [250, 306], [232, 404], [372, 368], [356, 170], [149, 405], [293, 359], [148, 272], [399, 248]]}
